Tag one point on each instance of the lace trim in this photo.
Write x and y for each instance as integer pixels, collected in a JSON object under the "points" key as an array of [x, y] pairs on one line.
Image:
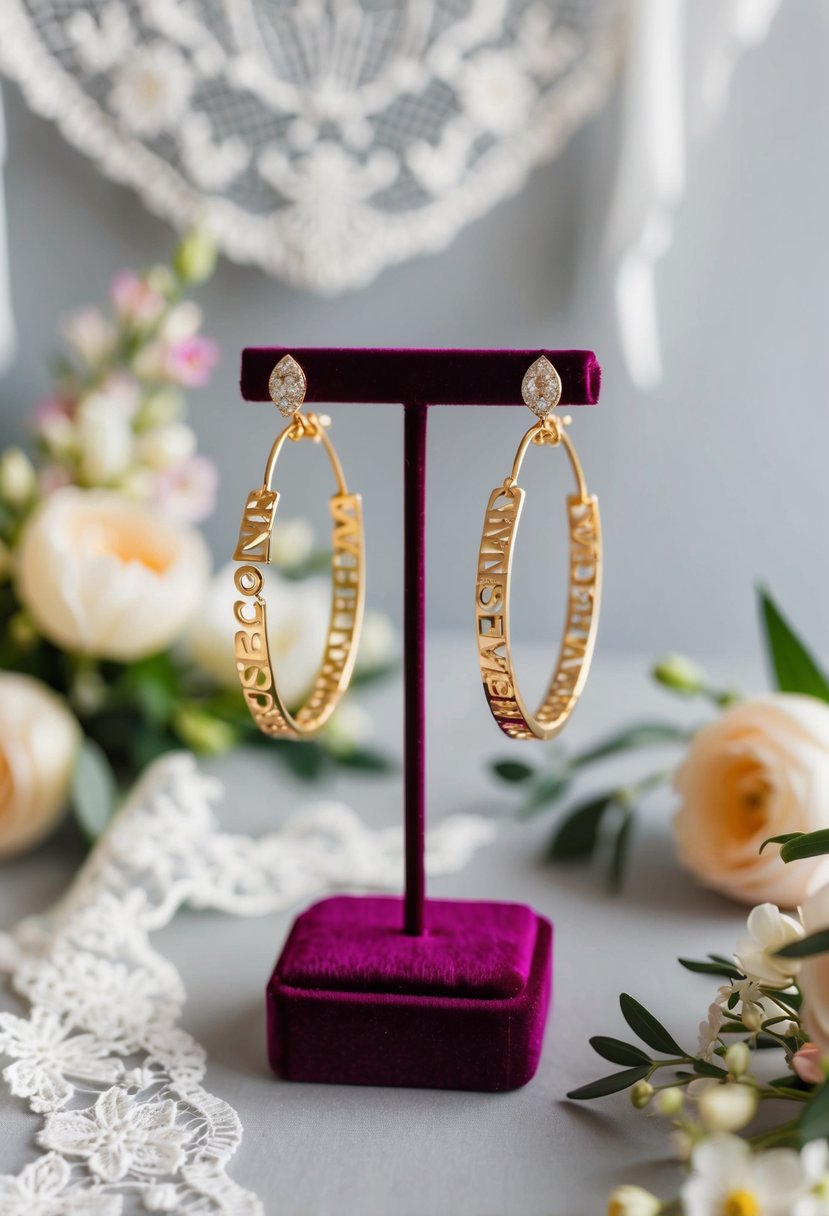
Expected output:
{"points": [[127, 1124], [321, 142]]}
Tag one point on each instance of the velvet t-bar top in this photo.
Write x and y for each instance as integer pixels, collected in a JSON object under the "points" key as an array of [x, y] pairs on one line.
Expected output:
{"points": [[420, 377]]}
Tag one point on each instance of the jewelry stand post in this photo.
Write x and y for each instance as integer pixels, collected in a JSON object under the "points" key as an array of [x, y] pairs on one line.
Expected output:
{"points": [[372, 990]]}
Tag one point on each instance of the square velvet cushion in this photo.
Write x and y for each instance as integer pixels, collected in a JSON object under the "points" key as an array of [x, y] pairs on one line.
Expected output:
{"points": [[353, 1000]]}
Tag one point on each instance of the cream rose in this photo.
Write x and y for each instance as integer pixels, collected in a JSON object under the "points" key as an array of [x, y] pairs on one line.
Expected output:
{"points": [[760, 770], [297, 623], [813, 977], [39, 738], [106, 576]]}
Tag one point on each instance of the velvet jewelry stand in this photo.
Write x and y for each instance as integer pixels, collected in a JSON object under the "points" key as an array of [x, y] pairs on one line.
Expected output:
{"points": [[373, 990]]}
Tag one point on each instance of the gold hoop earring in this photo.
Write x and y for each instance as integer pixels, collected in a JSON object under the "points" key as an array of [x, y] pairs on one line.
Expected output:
{"points": [[253, 662], [541, 390]]}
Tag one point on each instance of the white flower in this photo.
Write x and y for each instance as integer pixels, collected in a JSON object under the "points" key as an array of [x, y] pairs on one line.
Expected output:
{"points": [[494, 91], [182, 322], [815, 1159], [46, 1052], [727, 1108], [39, 739], [152, 88], [814, 971], [727, 1178], [18, 480], [188, 492], [348, 727], [106, 576], [104, 440], [757, 957], [120, 1136], [297, 623], [45, 1188], [377, 641], [632, 1201], [164, 447], [292, 543], [709, 1032], [90, 335], [760, 770]]}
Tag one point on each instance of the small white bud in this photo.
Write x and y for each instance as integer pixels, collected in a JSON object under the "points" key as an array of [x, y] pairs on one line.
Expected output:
{"points": [[680, 674], [641, 1094], [728, 1107], [18, 480], [669, 1101], [738, 1059]]}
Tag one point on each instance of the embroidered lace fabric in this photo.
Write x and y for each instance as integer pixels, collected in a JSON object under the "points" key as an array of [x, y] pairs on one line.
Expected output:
{"points": [[127, 1125], [319, 139]]}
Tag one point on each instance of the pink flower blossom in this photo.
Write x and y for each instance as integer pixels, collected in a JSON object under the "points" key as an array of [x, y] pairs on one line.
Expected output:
{"points": [[135, 301], [191, 361], [188, 492], [806, 1063], [50, 410]]}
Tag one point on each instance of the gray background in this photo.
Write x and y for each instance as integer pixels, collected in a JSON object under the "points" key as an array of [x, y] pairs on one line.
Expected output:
{"points": [[711, 482]]}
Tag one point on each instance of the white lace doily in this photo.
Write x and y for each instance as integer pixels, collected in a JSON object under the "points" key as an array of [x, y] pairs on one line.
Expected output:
{"points": [[127, 1125], [319, 139]]}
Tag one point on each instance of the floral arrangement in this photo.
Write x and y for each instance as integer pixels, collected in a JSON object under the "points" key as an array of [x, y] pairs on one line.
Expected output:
{"points": [[773, 1001], [116, 644], [759, 769]]}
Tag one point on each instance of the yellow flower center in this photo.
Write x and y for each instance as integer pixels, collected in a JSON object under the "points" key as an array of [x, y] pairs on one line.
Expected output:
{"points": [[741, 1203], [130, 541]]}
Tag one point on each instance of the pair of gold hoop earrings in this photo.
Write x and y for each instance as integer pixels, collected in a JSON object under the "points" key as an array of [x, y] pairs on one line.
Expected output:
{"points": [[541, 391]]}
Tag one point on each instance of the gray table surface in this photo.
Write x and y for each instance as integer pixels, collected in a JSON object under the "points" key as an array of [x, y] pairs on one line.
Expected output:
{"points": [[314, 1150]]}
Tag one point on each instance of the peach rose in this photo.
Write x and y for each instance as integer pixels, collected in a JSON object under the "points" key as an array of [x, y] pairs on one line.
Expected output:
{"points": [[813, 978], [39, 738], [106, 576], [760, 770]]}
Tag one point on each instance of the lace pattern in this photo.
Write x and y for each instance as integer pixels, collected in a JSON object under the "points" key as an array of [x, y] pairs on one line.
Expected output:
{"points": [[127, 1125], [319, 139]]}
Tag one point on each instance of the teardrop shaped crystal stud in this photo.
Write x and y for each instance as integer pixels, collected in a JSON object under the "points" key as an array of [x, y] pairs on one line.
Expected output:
{"points": [[287, 386], [541, 387]]}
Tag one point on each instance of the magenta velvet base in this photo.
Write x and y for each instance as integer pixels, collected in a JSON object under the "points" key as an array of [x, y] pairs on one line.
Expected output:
{"points": [[353, 1000]]}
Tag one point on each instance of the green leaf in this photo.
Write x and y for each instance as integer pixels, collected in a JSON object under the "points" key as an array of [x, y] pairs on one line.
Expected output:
{"points": [[646, 1026], [618, 1052], [578, 834], [644, 734], [545, 792], [793, 1000], [794, 668], [807, 844], [784, 839], [621, 848], [703, 968], [93, 790], [610, 1085], [306, 760], [705, 1069], [814, 943], [366, 760], [814, 1121], [790, 1081], [364, 676], [154, 684], [512, 770]]}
